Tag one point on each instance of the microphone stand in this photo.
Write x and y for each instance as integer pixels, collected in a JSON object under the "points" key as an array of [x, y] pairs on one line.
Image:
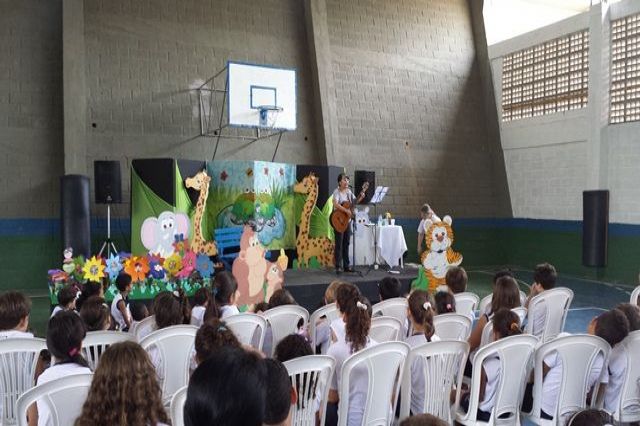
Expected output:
{"points": [[354, 228]]}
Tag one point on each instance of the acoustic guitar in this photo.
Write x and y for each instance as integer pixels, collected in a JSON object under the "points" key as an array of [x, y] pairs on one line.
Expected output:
{"points": [[339, 219]]}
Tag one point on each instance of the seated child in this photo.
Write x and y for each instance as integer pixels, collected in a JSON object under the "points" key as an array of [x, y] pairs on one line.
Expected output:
{"points": [[281, 394], [323, 328], [66, 300], [211, 336], [445, 302], [420, 314], [225, 289], [346, 294], [456, 279], [120, 304], [544, 278], [139, 311], [15, 308], [95, 314], [201, 300]]}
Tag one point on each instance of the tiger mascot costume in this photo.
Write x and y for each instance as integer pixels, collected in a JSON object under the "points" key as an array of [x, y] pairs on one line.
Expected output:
{"points": [[439, 256]]}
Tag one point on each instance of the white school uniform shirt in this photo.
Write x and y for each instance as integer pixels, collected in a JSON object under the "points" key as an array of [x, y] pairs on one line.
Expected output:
{"points": [[341, 350], [55, 372], [12, 334], [538, 316], [117, 314], [228, 310], [338, 327], [614, 378], [57, 309], [417, 378], [323, 334], [493, 370], [197, 315], [553, 379]]}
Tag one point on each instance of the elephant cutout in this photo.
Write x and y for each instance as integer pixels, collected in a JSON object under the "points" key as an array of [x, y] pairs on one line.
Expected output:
{"points": [[158, 234]]}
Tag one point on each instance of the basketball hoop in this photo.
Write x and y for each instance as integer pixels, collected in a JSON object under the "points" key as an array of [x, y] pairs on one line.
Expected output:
{"points": [[268, 115]]}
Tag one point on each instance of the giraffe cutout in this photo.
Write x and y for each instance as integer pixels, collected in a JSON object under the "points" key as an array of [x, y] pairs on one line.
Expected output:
{"points": [[200, 182], [307, 246]]}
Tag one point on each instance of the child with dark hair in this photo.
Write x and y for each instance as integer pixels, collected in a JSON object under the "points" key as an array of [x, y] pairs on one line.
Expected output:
{"points": [[15, 309], [613, 327], [423, 420], [237, 396], [213, 335], [501, 273], [505, 324], [281, 297], [591, 417], [544, 278], [389, 287], [120, 304], [65, 334], [456, 279], [139, 311], [225, 288], [346, 294], [260, 307], [281, 394], [124, 390], [66, 300], [420, 313], [323, 326], [201, 299], [357, 319], [90, 288], [95, 314], [632, 312], [506, 295], [292, 346], [445, 302]]}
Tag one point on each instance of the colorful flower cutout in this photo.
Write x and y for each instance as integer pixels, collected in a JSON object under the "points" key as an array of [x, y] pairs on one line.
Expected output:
{"points": [[204, 266], [180, 245], [188, 264], [173, 264], [137, 267], [156, 270], [114, 266], [93, 269]]}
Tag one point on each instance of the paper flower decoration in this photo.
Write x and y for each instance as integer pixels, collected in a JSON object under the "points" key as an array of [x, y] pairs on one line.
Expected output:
{"points": [[180, 245], [173, 264], [114, 266], [188, 264], [156, 269], [204, 266], [93, 269], [137, 267]]}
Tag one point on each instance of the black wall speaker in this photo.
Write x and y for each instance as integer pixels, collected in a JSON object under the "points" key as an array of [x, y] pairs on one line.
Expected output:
{"points": [[595, 227], [107, 182], [362, 176], [74, 212]]}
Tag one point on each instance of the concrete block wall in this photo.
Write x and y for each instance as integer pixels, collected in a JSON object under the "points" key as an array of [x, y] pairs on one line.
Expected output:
{"points": [[31, 154], [143, 59], [409, 104]]}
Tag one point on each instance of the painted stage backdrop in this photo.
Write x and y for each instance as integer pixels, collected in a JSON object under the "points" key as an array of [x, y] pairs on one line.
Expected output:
{"points": [[176, 208]]}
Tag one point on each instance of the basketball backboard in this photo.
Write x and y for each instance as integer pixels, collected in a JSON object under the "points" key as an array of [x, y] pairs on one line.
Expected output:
{"points": [[261, 96]]}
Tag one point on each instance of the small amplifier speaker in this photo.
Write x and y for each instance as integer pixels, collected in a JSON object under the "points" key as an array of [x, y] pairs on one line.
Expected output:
{"points": [[107, 182]]}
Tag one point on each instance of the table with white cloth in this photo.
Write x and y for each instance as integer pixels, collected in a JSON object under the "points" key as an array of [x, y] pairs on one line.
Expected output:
{"points": [[391, 244]]}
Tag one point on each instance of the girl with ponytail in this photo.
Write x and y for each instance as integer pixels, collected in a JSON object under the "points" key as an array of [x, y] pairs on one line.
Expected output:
{"points": [[346, 293], [65, 334], [420, 313], [357, 319], [225, 289], [505, 324]]}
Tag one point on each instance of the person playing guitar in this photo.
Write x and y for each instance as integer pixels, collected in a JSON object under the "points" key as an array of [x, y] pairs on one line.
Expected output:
{"points": [[343, 204]]}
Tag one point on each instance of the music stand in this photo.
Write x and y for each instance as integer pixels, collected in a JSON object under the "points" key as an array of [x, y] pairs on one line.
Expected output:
{"points": [[377, 198]]}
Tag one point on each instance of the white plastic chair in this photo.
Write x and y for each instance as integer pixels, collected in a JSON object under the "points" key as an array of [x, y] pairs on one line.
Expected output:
{"points": [[466, 303], [284, 321], [383, 364], [176, 409], [311, 376], [628, 409], [515, 353], [635, 294], [554, 305], [385, 329], [395, 307], [145, 327], [245, 326], [439, 364], [96, 342], [452, 326], [329, 311], [175, 346], [578, 354], [18, 359], [64, 397]]}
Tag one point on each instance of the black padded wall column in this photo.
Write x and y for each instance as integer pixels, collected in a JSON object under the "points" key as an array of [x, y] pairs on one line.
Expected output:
{"points": [[75, 214], [595, 227]]}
